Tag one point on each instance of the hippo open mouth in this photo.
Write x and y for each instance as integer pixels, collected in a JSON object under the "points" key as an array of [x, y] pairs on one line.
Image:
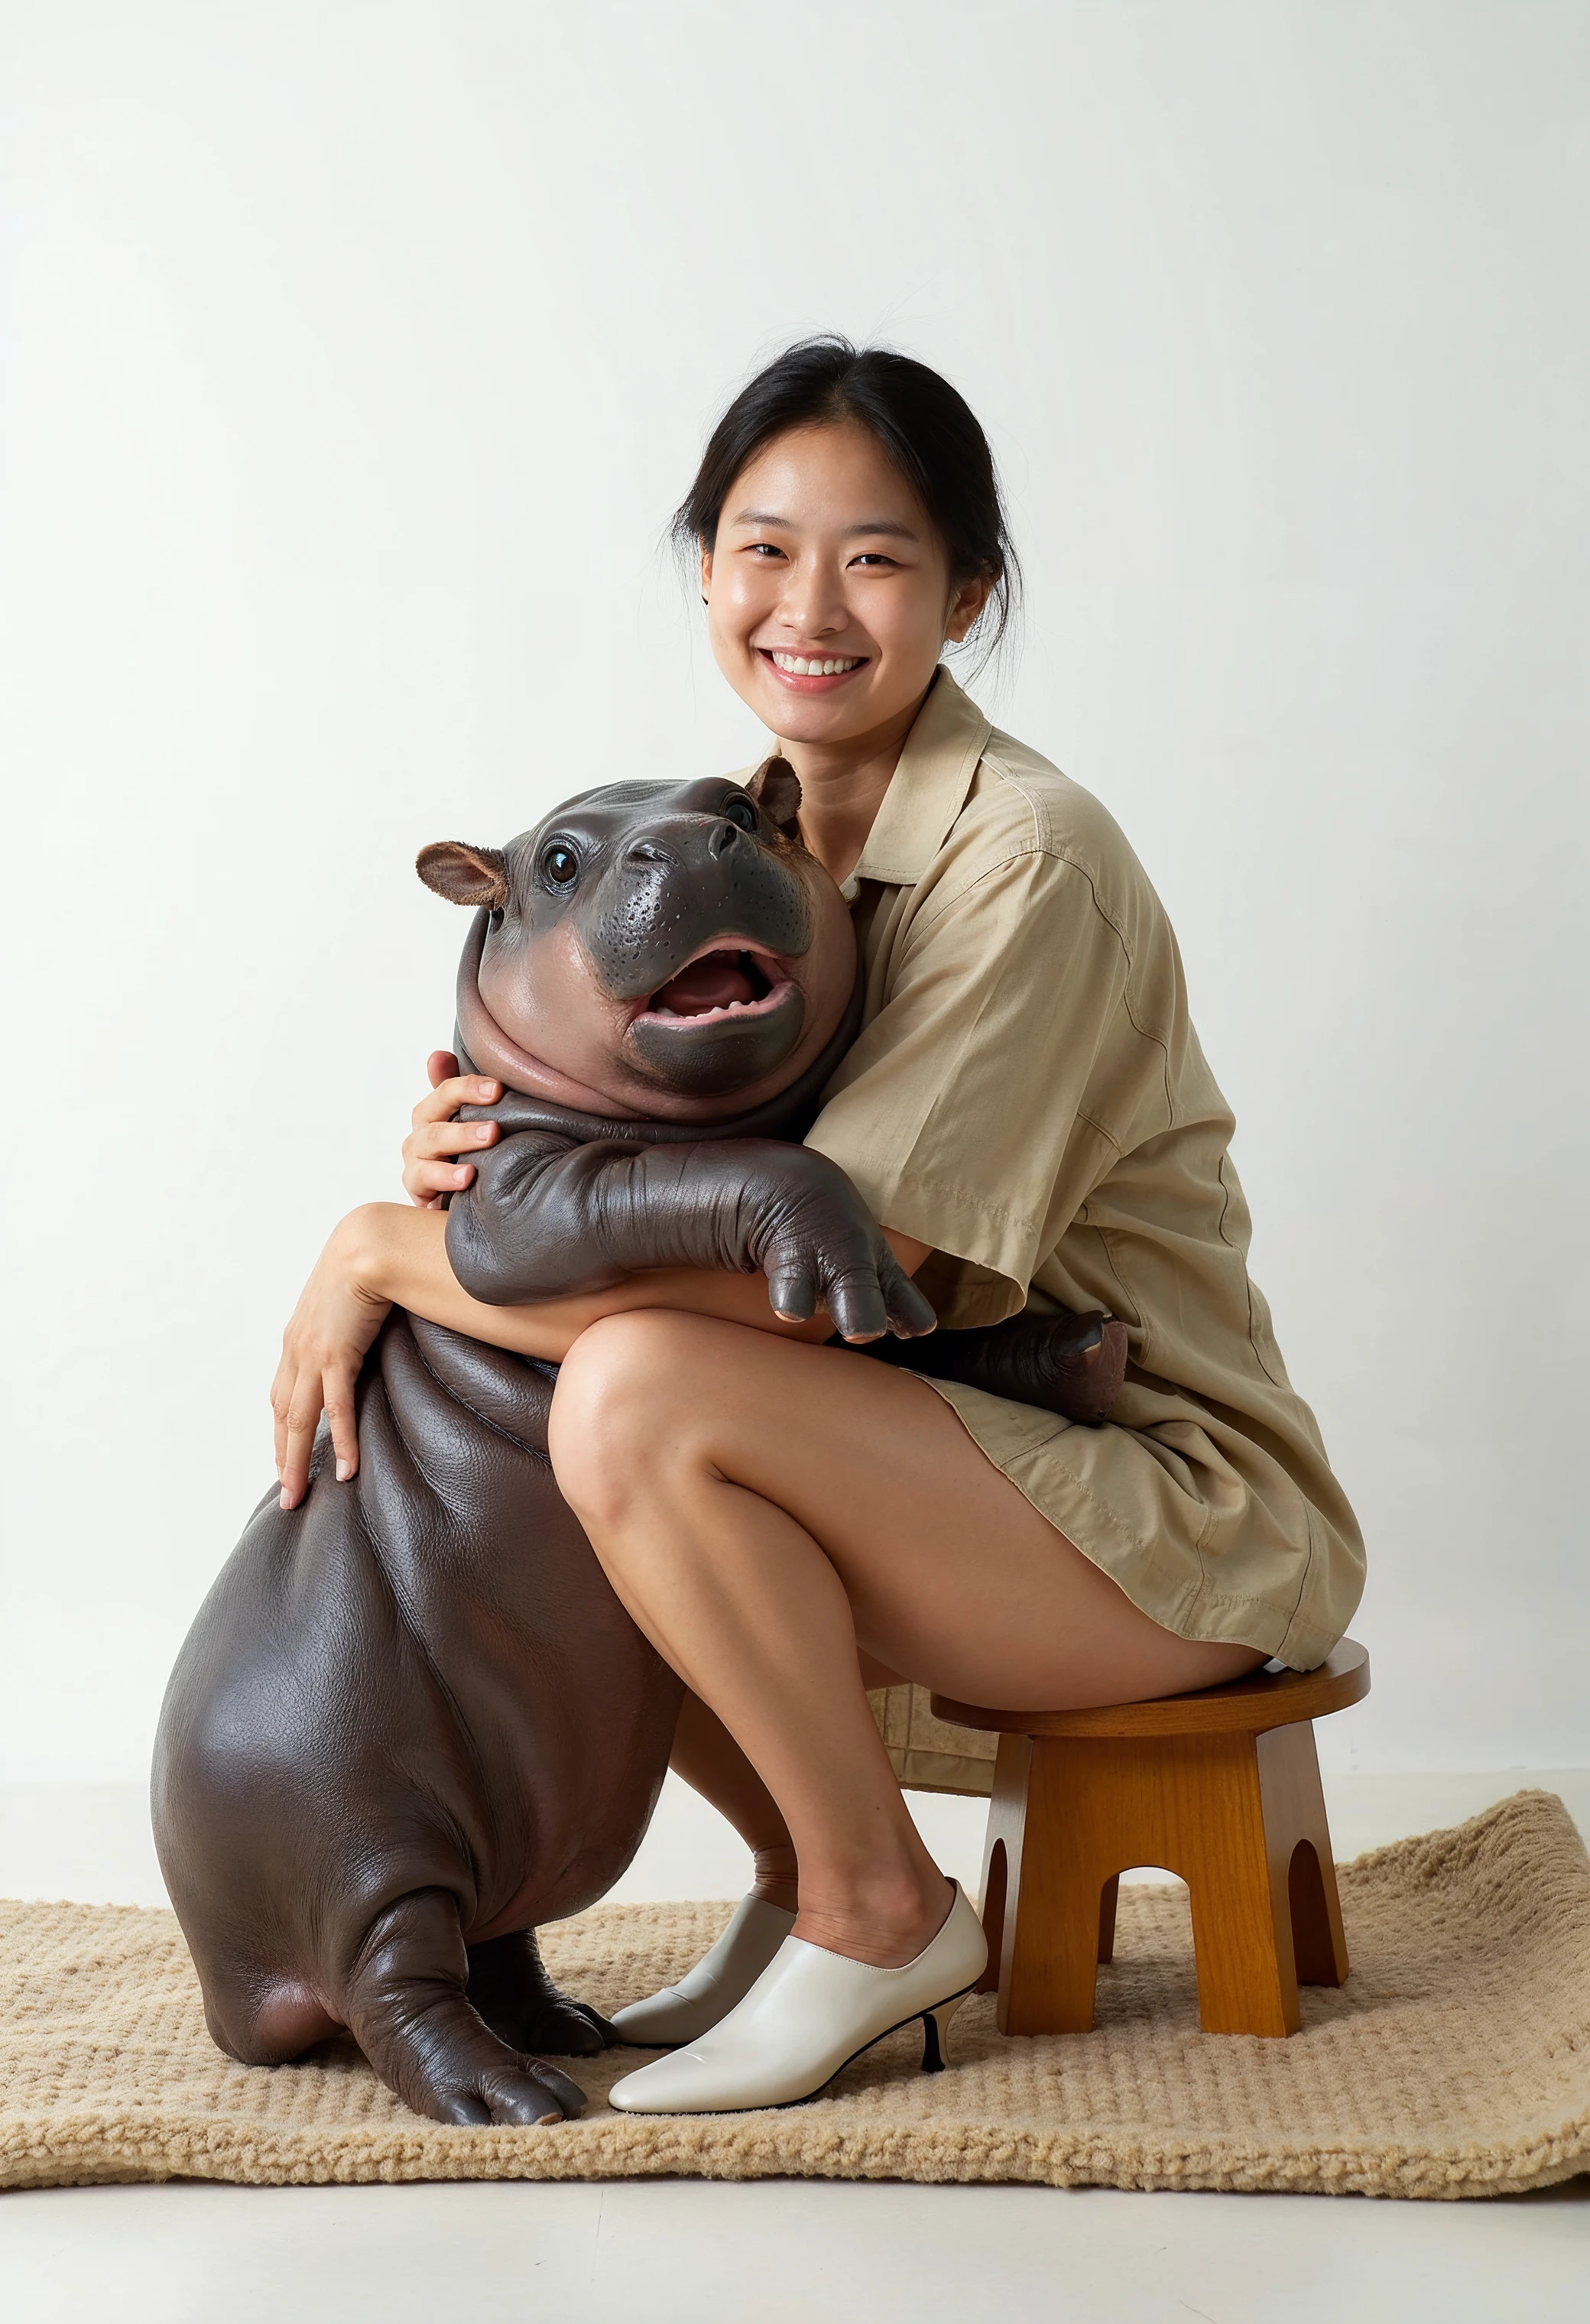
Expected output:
{"points": [[733, 1013], [723, 983]]}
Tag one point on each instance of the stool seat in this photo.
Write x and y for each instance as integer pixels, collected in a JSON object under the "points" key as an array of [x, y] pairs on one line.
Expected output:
{"points": [[1243, 1706], [1221, 1787]]}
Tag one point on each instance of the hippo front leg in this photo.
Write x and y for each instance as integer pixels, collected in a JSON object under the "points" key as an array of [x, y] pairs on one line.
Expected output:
{"points": [[406, 2005], [509, 1986]]}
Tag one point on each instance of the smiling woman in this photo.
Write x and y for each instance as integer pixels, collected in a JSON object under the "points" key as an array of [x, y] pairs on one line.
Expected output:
{"points": [[1028, 1113], [848, 524]]}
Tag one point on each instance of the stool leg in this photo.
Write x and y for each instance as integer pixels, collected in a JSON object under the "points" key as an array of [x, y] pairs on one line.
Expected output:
{"points": [[1109, 1898], [1241, 1904], [1002, 1847], [1055, 1898], [1298, 1833]]}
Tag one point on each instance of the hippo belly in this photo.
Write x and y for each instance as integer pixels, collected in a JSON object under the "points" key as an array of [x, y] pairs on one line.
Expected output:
{"points": [[410, 1723]]}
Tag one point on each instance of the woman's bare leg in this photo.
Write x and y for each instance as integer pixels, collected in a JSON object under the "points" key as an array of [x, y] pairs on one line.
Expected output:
{"points": [[710, 1760], [713, 1764], [767, 1511]]}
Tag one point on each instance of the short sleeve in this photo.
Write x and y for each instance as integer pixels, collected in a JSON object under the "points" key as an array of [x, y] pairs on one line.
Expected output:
{"points": [[996, 1082]]}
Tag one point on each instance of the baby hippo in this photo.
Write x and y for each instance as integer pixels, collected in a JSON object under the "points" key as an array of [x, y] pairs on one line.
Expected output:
{"points": [[663, 979], [617, 1060], [412, 1722]]}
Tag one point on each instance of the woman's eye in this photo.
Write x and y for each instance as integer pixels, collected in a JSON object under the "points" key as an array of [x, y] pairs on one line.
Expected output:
{"points": [[871, 557], [740, 813], [560, 865]]}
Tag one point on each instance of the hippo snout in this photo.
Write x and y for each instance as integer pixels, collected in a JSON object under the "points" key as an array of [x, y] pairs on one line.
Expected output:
{"points": [[682, 883], [722, 835]]}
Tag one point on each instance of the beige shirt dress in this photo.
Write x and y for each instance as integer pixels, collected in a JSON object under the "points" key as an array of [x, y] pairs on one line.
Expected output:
{"points": [[1028, 1096]]}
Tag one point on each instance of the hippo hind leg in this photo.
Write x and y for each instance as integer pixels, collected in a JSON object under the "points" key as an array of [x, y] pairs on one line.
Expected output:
{"points": [[508, 1984], [406, 2005]]}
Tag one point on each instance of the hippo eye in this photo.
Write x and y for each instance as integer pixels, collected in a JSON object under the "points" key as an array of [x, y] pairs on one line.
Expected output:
{"points": [[740, 813], [495, 917], [560, 865]]}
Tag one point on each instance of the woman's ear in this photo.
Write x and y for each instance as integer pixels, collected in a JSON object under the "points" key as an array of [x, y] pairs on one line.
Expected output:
{"points": [[777, 790], [966, 604], [706, 571], [465, 875]]}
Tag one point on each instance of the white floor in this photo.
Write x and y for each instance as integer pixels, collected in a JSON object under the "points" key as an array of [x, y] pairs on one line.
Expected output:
{"points": [[681, 2252]]}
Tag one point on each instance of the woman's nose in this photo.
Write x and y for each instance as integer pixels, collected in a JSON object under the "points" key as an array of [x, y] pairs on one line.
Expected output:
{"points": [[814, 601]]}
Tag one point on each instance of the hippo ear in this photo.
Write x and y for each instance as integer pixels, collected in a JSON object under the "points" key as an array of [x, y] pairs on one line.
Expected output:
{"points": [[777, 790], [465, 875]]}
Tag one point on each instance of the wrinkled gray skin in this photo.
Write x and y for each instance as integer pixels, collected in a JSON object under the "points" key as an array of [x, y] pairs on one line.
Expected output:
{"points": [[412, 1722]]}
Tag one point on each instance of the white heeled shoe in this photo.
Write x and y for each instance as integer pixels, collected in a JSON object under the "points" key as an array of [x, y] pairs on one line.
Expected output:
{"points": [[720, 1980], [809, 2014]]}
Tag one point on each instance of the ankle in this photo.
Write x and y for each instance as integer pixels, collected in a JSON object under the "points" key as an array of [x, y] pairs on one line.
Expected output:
{"points": [[885, 1921], [777, 1877]]}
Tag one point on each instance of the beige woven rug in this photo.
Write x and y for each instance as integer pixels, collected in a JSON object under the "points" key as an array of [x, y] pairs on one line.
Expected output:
{"points": [[1454, 2062]]}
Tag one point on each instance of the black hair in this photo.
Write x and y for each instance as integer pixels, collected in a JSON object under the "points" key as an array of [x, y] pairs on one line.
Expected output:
{"points": [[927, 428]]}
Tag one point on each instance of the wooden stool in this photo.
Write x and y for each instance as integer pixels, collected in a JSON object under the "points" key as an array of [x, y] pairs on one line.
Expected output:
{"points": [[1221, 1787]]}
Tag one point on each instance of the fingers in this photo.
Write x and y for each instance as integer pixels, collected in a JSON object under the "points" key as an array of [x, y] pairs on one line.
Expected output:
{"points": [[440, 1066], [910, 1310], [428, 1175], [341, 1421], [433, 1140], [792, 1290], [526, 2092], [856, 1306], [865, 1289], [430, 1169], [607, 2033], [458, 1089], [297, 1400], [426, 1183], [303, 1418], [280, 1396], [570, 2096]]}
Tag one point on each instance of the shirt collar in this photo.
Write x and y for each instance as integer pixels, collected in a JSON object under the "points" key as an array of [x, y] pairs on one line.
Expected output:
{"points": [[927, 789]]}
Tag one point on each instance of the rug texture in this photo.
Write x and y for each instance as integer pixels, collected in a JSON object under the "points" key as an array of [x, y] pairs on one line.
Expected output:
{"points": [[1454, 2062]]}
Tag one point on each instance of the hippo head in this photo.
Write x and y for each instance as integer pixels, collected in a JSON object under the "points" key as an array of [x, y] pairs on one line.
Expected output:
{"points": [[660, 950]]}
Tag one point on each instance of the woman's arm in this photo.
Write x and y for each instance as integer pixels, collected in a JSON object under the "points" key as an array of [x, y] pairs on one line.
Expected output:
{"points": [[384, 1255], [399, 1256]]}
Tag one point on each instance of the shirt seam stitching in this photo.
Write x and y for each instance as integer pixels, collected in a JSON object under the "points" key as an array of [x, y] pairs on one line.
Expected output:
{"points": [[1247, 1280], [930, 918]]}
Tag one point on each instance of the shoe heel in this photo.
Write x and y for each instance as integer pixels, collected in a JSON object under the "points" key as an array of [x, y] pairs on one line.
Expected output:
{"points": [[935, 2033]]}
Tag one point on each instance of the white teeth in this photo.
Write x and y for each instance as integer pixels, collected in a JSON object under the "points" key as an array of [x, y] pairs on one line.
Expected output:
{"points": [[798, 665]]}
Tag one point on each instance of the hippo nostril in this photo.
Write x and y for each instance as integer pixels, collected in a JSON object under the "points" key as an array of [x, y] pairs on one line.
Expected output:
{"points": [[721, 838], [647, 850]]}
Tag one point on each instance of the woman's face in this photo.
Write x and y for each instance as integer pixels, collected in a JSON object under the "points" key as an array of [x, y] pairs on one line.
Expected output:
{"points": [[828, 592]]}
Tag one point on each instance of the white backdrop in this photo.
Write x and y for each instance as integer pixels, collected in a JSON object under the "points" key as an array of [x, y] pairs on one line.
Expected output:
{"points": [[354, 359]]}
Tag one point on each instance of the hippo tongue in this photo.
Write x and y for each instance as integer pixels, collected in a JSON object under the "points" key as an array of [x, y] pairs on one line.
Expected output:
{"points": [[713, 983]]}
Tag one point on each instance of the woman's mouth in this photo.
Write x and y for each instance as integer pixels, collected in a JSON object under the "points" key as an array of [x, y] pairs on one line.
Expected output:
{"points": [[727, 984], [812, 673]]}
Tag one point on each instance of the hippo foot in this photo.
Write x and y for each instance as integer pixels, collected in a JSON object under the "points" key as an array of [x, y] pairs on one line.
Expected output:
{"points": [[509, 1986], [1073, 1365], [407, 2007], [525, 2092]]}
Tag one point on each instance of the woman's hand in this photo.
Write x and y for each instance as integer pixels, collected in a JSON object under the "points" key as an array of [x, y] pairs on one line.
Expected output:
{"points": [[428, 1174], [323, 1347]]}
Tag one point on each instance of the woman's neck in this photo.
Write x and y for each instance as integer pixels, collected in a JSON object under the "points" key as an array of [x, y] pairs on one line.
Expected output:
{"points": [[842, 787]]}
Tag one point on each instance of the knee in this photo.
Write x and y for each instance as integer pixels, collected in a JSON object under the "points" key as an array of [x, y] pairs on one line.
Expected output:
{"points": [[620, 1412]]}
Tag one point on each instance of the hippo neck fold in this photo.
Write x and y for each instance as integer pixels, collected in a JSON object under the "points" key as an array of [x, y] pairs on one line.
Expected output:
{"points": [[789, 1114]]}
